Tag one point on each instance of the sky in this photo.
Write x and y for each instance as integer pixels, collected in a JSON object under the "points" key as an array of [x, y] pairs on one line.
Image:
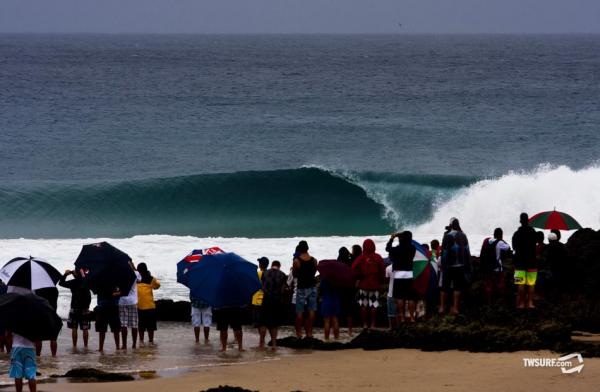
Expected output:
{"points": [[300, 16]]}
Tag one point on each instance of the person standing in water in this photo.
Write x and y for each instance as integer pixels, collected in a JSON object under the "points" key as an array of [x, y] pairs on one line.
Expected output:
{"points": [[81, 298], [370, 270], [146, 305], [402, 257], [305, 269]]}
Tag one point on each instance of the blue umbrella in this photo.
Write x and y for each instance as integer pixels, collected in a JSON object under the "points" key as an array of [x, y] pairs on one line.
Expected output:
{"points": [[220, 279]]}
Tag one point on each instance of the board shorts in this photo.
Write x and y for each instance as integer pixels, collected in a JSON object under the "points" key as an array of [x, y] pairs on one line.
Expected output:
{"points": [[454, 279], [107, 315], [368, 298], [22, 363], [79, 318], [272, 314], [201, 317], [306, 299], [392, 308], [128, 315], [229, 317], [523, 277], [146, 320], [403, 289]]}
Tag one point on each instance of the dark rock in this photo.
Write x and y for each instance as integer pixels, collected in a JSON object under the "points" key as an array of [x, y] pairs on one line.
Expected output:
{"points": [[227, 388], [90, 374], [169, 310]]}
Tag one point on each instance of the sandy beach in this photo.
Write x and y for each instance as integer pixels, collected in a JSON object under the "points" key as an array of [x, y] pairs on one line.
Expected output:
{"points": [[385, 370]]}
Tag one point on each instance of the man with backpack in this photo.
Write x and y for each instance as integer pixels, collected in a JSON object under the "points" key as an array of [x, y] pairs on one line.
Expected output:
{"points": [[493, 252]]}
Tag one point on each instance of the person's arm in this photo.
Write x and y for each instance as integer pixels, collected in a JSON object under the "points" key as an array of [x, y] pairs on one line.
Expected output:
{"points": [[295, 266], [63, 280], [155, 284], [389, 246]]}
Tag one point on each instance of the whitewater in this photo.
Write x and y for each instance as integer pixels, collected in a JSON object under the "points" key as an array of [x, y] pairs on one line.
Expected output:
{"points": [[481, 207]]}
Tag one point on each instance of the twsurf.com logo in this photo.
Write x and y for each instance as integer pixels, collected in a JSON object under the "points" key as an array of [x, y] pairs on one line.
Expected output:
{"points": [[571, 363]]}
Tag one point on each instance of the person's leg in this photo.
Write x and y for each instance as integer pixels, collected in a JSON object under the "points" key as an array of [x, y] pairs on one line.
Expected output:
{"points": [[197, 334], [299, 323], [411, 310], [336, 328], [74, 336], [32, 385], [141, 334], [443, 297], [53, 347], [310, 320], [18, 384], [123, 338], [363, 317], [262, 333], [206, 332], [530, 295], [134, 336], [101, 337], [373, 317], [86, 337], [223, 337], [400, 310], [273, 333], [520, 296], [38, 348], [116, 337], [349, 323], [151, 336], [239, 335], [455, 303], [326, 327]]}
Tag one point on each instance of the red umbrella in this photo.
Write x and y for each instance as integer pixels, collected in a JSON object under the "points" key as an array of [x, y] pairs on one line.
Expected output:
{"points": [[337, 273], [554, 220]]}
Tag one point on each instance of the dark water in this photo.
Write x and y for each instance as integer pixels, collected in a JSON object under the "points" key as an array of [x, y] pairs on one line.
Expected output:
{"points": [[93, 128]]}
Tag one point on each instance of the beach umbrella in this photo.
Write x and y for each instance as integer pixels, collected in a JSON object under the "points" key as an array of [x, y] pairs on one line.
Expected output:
{"points": [[219, 279], [29, 273], [105, 268], [554, 220], [30, 316], [193, 257], [340, 275], [423, 270]]}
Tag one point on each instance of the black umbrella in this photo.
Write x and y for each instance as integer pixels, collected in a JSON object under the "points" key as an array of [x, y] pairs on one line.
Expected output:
{"points": [[30, 273], [105, 268], [30, 316]]}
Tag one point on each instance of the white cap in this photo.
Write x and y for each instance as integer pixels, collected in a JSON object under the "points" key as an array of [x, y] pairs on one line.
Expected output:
{"points": [[552, 237]]}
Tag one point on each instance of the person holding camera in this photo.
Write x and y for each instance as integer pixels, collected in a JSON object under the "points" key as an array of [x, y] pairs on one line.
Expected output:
{"points": [[79, 314]]}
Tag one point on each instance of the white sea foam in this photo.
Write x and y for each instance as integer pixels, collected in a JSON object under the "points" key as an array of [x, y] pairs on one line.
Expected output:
{"points": [[498, 202], [162, 252]]}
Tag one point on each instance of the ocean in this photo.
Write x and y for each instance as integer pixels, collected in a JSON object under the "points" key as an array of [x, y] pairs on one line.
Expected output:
{"points": [[165, 143]]}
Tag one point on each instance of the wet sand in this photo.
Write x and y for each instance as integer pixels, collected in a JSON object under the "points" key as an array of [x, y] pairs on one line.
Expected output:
{"points": [[385, 370]]}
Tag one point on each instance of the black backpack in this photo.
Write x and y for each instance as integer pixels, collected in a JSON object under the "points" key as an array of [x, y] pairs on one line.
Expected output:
{"points": [[487, 258]]}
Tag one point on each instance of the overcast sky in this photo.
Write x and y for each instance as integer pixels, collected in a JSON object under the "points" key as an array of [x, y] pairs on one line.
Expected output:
{"points": [[301, 16]]}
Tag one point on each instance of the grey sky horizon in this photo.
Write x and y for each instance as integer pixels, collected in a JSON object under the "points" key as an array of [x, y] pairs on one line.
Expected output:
{"points": [[300, 16]]}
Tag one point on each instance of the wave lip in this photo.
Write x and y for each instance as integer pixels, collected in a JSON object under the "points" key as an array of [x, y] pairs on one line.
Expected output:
{"points": [[497, 202]]}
